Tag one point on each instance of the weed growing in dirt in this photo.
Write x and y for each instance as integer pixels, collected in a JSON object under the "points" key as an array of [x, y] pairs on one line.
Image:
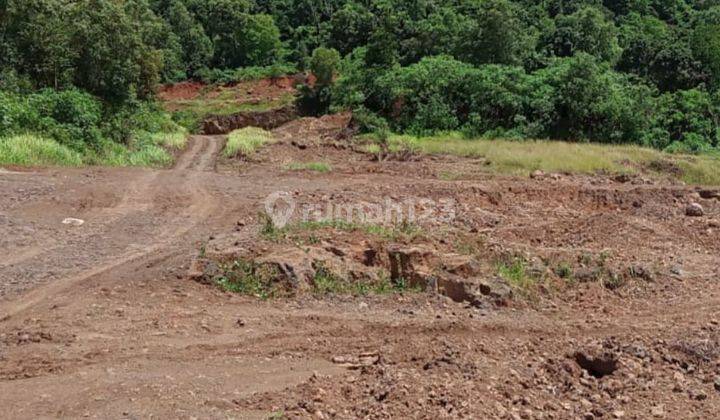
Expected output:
{"points": [[247, 278], [326, 282], [268, 229], [564, 271], [516, 274], [246, 141], [321, 167]]}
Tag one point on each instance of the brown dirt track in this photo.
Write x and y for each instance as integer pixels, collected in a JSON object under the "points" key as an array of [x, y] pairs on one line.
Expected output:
{"points": [[101, 321]]}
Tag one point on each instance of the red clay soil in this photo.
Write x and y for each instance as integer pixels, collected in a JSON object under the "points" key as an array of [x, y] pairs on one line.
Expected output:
{"points": [[103, 321], [263, 89], [180, 91]]}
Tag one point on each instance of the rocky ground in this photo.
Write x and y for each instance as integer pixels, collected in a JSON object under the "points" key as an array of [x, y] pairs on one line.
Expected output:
{"points": [[546, 296]]}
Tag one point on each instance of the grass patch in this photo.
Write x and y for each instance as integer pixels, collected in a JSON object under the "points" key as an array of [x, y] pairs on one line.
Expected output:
{"points": [[321, 167], [246, 141], [516, 274], [191, 113], [522, 157], [33, 150], [395, 232], [326, 282], [141, 152], [260, 281], [247, 278], [174, 141]]}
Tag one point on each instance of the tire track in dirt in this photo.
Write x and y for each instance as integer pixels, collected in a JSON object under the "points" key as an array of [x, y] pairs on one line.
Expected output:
{"points": [[183, 180]]}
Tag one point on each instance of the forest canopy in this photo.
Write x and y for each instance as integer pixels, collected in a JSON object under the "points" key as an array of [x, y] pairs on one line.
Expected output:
{"points": [[635, 71]]}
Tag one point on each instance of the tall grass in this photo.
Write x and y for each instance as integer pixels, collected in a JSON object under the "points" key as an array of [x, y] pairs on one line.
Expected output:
{"points": [[246, 141], [176, 140], [33, 150], [521, 157]]}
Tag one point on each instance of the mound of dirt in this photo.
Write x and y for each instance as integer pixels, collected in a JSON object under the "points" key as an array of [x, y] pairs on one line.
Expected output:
{"points": [[268, 120]]}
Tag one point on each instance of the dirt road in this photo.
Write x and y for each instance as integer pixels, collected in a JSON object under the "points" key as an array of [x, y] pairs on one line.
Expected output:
{"points": [[100, 320]]}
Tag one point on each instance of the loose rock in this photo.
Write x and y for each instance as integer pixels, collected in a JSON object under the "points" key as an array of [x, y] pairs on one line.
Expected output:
{"points": [[694, 210]]}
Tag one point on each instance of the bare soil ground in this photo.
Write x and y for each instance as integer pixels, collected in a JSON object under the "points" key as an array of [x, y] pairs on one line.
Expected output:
{"points": [[102, 320]]}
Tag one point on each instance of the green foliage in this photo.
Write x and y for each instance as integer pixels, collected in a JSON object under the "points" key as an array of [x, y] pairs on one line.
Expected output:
{"points": [[242, 74], [36, 151], [71, 117], [586, 30], [323, 64], [316, 100], [643, 72], [246, 141], [516, 274], [133, 134]]}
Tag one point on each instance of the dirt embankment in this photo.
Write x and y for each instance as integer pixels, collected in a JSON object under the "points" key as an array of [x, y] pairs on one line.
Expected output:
{"points": [[224, 124]]}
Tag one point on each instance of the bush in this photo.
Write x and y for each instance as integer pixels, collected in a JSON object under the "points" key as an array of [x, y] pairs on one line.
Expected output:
{"points": [[33, 150], [70, 117]]}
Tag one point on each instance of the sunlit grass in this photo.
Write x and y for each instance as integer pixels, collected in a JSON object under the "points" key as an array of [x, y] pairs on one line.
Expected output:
{"points": [[522, 157], [246, 141], [176, 140], [31, 150]]}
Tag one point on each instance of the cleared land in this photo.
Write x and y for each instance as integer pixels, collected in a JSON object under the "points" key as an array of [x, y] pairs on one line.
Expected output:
{"points": [[565, 294]]}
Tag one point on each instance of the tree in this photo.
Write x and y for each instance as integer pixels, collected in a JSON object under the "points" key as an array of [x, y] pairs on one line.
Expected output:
{"points": [[113, 60], [316, 100], [350, 27], [587, 30], [39, 40], [655, 51], [705, 42], [495, 34], [323, 64], [259, 41], [197, 48]]}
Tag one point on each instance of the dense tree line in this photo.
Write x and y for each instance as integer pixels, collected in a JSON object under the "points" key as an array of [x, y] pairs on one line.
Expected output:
{"points": [[642, 71]]}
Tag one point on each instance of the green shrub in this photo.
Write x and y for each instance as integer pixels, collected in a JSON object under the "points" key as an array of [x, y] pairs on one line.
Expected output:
{"points": [[36, 151], [242, 74]]}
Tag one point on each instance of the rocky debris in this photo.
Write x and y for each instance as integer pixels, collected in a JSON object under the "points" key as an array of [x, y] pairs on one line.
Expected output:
{"points": [[412, 264], [597, 361], [537, 174], [460, 265], [204, 270], [640, 271], [356, 362], [694, 210], [709, 194], [224, 124], [73, 221], [623, 178]]}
